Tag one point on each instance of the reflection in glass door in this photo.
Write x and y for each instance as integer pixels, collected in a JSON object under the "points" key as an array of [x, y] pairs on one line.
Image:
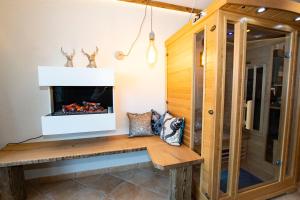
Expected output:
{"points": [[267, 62]]}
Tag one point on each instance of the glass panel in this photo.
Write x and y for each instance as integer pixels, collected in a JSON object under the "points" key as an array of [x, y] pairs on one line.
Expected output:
{"points": [[250, 81], [227, 109], [198, 99], [266, 69], [253, 96], [73, 100], [199, 72], [258, 97]]}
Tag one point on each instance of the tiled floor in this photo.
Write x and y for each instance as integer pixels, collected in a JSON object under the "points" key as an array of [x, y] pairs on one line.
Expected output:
{"points": [[137, 184], [144, 184]]}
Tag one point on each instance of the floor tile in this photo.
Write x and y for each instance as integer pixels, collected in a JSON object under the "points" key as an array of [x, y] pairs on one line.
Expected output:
{"points": [[86, 193], [147, 179], [32, 194], [61, 190], [157, 183], [124, 191], [105, 183], [129, 191]]}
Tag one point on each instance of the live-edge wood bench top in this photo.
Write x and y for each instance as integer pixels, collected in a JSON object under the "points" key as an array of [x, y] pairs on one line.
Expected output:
{"points": [[163, 156]]}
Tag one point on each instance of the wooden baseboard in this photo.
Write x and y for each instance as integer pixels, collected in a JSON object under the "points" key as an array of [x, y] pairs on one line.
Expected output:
{"points": [[279, 193], [70, 176]]}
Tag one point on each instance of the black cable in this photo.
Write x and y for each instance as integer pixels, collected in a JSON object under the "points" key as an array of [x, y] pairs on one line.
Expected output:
{"points": [[27, 140]]}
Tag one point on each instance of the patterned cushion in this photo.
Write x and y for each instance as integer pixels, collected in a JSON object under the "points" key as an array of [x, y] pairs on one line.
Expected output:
{"points": [[140, 124], [156, 122], [172, 130]]}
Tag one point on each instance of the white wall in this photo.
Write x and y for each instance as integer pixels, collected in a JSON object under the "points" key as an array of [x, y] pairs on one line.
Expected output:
{"points": [[31, 34], [87, 164]]}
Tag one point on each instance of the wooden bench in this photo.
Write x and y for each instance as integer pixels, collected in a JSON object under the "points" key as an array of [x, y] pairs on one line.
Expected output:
{"points": [[178, 160]]}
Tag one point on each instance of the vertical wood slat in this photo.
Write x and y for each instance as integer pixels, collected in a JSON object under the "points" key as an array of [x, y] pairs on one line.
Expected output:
{"points": [[220, 96], [286, 131], [12, 186], [237, 105], [296, 164], [180, 183], [210, 110]]}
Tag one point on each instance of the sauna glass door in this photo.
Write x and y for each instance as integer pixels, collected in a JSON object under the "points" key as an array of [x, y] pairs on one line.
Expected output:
{"points": [[265, 86]]}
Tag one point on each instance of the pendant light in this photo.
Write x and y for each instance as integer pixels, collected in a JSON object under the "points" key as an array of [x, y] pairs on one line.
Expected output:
{"points": [[151, 53]]}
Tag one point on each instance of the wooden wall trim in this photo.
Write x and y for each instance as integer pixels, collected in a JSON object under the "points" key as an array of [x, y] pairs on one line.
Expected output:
{"points": [[287, 126], [237, 106], [164, 5]]}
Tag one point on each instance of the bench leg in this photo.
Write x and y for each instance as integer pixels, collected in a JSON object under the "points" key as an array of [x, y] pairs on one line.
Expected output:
{"points": [[12, 186], [181, 183]]}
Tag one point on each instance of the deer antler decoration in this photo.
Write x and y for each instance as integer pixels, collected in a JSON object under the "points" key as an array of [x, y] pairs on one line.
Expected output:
{"points": [[91, 58], [69, 57]]}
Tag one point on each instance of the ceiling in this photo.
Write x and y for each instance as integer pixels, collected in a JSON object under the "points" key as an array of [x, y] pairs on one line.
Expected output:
{"points": [[199, 4]]}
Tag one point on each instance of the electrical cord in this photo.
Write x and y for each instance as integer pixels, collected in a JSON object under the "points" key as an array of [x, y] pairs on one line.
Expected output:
{"points": [[140, 30], [27, 140], [151, 20], [192, 11]]}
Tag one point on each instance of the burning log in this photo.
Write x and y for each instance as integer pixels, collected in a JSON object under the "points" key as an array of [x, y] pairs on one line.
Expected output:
{"points": [[87, 107]]}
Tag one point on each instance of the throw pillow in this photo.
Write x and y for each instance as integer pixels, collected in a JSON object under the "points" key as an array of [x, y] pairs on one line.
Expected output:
{"points": [[140, 124], [156, 122], [172, 130]]}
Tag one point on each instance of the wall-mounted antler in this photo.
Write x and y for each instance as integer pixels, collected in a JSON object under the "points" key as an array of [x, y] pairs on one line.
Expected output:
{"points": [[69, 57], [91, 58]]}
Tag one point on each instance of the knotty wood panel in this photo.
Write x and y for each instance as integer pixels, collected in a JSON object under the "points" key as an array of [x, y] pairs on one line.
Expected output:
{"points": [[162, 155]]}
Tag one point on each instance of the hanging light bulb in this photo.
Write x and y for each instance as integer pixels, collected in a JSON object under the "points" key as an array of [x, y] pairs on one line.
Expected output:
{"points": [[151, 50], [151, 53]]}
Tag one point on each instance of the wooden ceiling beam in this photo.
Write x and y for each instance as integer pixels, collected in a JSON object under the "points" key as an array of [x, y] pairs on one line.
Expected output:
{"points": [[164, 5]]}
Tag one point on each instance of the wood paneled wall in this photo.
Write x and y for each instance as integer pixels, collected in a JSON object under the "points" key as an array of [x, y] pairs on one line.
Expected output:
{"points": [[180, 81]]}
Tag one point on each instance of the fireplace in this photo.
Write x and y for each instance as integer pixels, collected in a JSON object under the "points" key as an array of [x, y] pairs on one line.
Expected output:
{"points": [[76, 100], [81, 99]]}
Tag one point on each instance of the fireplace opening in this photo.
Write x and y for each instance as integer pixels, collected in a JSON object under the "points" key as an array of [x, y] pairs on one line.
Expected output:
{"points": [[76, 100]]}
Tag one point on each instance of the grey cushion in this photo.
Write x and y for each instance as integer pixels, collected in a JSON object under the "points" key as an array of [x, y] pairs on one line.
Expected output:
{"points": [[140, 124], [156, 122]]}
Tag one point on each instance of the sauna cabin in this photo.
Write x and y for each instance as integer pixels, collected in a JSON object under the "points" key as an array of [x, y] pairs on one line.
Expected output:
{"points": [[234, 73]]}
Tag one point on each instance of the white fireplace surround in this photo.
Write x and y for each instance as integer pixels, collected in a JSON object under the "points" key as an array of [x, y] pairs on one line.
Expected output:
{"points": [[76, 76]]}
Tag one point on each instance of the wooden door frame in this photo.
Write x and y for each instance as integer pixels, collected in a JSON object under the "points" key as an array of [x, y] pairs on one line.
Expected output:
{"points": [[284, 183]]}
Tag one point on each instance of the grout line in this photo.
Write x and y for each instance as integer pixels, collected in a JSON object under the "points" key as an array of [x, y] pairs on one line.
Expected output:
{"points": [[32, 187], [105, 194], [144, 188]]}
